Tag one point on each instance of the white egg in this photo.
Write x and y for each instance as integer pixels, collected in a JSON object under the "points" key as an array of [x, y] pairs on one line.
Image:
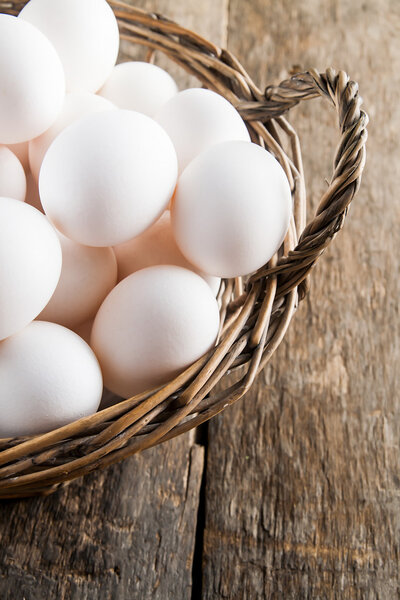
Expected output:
{"points": [[32, 193], [232, 209], [85, 35], [87, 276], [32, 81], [12, 175], [151, 326], [108, 177], [196, 119], [21, 151], [139, 86], [49, 377], [155, 246], [30, 264], [76, 105]]}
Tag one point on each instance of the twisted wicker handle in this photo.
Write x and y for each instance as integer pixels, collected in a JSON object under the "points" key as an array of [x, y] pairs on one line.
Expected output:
{"points": [[255, 326], [348, 164]]}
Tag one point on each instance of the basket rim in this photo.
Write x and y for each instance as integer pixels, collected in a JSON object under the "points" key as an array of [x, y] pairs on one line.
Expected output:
{"points": [[255, 317]]}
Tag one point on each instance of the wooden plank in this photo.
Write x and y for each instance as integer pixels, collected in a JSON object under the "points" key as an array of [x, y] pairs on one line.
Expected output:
{"points": [[128, 532], [121, 533], [303, 489]]}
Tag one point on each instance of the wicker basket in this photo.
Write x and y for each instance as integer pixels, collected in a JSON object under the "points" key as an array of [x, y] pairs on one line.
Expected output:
{"points": [[255, 313]]}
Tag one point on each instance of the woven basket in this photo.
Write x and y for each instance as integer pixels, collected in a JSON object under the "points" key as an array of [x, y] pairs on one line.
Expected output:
{"points": [[255, 312]]}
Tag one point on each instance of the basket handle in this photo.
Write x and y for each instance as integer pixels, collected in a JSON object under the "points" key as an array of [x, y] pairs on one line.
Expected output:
{"points": [[349, 163]]}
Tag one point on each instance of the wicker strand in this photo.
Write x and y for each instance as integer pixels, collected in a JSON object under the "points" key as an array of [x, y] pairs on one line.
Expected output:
{"points": [[255, 314]]}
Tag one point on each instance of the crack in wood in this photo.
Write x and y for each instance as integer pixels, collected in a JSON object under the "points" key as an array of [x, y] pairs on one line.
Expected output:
{"points": [[197, 563]]}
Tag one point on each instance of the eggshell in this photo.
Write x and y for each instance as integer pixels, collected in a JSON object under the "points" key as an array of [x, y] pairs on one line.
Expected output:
{"points": [[139, 86], [85, 35], [30, 264], [151, 326], [84, 330], [232, 209], [196, 119], [76, 105], [32, 193], [21, 151], [155, 246], [32, 81], [49, 377], [87, 276], [108, 177], [12, 175]]}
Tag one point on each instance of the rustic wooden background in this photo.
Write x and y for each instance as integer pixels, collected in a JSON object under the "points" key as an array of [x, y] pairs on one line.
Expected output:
{"points": [[295, 492]]}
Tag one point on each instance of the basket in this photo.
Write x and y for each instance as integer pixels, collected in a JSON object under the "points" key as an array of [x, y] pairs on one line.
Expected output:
{"points": [[255, 312]]}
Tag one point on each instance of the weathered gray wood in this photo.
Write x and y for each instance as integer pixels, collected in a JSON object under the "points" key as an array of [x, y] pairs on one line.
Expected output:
{"points": [[127, 533], [302, 495], [303, 489]]}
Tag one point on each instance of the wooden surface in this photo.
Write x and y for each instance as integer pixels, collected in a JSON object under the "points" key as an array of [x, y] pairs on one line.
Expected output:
{"points": [[301, 483]]}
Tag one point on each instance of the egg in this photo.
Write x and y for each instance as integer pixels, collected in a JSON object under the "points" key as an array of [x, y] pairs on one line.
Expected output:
{"points": [[139, 86], [32, 81], [21, 151], [87, 276], [196, 119], [30, 264], [85, 35], [32, 193], [76, 105], [155, 246], [153, 324], [84, 330], [232, 209], [12, 175], [49, 377], [108, 177]]}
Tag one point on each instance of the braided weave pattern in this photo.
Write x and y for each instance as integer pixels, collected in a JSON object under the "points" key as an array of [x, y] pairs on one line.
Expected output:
{"points": [[255, 313]]}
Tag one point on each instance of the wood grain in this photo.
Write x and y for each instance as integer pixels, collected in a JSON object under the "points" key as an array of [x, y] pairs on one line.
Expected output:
{"points": [[302, 487], [129, 532], [303, 491], [120, 534]]}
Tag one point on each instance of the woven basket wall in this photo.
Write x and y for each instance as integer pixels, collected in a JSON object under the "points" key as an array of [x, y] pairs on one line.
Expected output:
{"points": [[256, 311]]}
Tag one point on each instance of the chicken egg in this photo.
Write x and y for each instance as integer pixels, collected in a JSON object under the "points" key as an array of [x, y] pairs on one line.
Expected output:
{"points": [[85, 35], [155, 246], [232, 209], [153, 324], [30, 264], [32, 193], [108, 177], [12, 175], [196, 119], [32, 81], [21, 151], [76, 105], [87, 275], [139, 86], [84, 330], [49, 377]]}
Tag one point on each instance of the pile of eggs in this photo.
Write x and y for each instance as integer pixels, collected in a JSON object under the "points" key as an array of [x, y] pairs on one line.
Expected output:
{"points": [[123, 202]]}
